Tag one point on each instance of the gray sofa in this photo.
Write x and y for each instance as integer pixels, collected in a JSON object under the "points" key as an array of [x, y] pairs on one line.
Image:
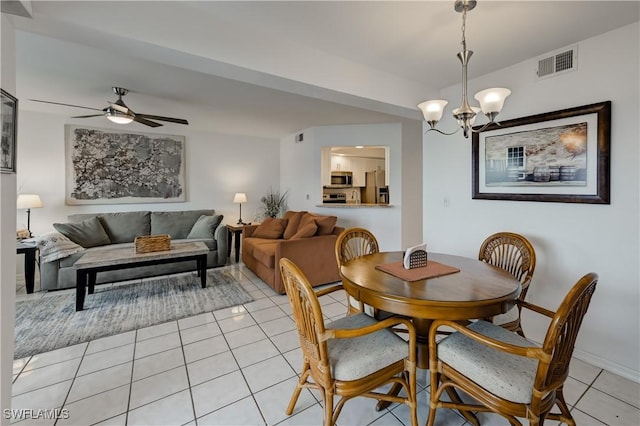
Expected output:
{"points": [[121, 229]]}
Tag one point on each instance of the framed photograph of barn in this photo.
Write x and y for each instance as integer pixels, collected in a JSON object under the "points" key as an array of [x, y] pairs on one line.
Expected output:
{"points": [[108, 166], [9, 113], [561, 156]]}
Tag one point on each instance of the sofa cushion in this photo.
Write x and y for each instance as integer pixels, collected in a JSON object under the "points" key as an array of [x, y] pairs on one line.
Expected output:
{"points": [[325, 224], [265, 253], [122, 227], [177, 224], [205, 226], [306, 231], [294, 219], [88, 233], [271, 228]]}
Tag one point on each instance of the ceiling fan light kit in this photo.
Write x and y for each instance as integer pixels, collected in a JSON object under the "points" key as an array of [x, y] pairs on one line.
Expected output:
{"points": [[118, 112], [118, 117], [491, 100]]}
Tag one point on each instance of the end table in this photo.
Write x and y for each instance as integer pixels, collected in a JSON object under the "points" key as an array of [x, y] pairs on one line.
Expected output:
{"points": [[29, 251], [235, 231]]}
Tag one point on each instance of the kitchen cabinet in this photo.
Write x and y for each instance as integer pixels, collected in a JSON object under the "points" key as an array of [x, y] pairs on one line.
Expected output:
{"points": [[340, 163], [358, 165]]}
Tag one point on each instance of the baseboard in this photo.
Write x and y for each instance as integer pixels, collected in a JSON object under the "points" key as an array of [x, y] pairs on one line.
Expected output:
{"points": [[606, 364], [612, 367]]}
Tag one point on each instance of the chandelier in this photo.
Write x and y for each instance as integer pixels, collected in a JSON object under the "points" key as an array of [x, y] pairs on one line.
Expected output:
{"points": [[491, 100]]}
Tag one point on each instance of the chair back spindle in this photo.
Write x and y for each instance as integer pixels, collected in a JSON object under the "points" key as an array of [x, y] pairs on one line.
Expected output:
{"points": [[563, 330]]}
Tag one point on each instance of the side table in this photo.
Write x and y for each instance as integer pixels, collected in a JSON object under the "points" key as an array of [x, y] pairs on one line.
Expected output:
{"points": [[235, 231], [29, 251]]}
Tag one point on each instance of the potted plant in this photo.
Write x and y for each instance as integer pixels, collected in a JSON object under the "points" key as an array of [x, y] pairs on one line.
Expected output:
{"points": [[274, 204]]}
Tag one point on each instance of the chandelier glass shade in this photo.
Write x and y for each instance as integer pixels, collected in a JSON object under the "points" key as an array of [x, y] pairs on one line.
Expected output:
{"points": [[491, 100]]}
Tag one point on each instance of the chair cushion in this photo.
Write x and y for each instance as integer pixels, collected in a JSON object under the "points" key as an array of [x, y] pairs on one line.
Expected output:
{"points": [[88, 233], [356, 358], [509, 376], [510, 316]]}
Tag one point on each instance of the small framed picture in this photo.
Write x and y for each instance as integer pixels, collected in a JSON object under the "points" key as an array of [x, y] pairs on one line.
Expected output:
{"points": [[9, 111]]}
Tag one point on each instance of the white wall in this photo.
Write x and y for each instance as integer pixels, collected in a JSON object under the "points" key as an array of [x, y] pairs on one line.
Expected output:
{"points": [[301, 175], [570, 239], [217, 165], [7, 231]]}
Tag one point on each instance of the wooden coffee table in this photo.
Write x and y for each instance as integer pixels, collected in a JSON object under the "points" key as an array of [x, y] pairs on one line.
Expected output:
{"points": [[88, 266]]}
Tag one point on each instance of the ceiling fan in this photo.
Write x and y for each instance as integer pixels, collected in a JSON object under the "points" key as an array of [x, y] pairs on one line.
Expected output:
{"points": [[119, 112]]}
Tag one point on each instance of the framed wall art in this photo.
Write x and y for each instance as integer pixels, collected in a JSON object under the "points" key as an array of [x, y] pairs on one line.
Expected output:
{"points": [[561, 156], [107, 166], [9, 113]]}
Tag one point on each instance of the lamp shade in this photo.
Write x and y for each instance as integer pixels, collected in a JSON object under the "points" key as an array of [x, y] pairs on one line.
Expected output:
{"points": [[28, 201], [432, 110], [492, 100], [240, 197]]}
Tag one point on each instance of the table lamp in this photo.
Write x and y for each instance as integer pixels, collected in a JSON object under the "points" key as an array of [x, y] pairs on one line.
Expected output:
{"points": [[240, 198], [29, 201]]}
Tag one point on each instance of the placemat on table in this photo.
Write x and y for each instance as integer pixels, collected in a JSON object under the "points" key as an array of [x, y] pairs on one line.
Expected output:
{"points": [[432, 270]]}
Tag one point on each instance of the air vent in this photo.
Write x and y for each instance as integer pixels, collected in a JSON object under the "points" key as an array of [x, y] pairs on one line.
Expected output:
{"points": [[560, 61], [299, 137]]}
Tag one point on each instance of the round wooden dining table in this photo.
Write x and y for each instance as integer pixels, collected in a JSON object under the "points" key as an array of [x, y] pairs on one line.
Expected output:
{"points": [[478, 290]]}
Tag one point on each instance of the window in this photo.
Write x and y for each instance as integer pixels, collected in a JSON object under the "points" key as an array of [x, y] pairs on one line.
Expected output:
{"points": [[515, 157]]}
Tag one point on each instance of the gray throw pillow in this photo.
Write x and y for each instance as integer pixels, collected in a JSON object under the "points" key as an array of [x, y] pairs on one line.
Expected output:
{"points": [[88, 233], [205, 227]]}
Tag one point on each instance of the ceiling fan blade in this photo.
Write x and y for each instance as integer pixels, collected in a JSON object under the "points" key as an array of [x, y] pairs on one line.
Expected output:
{"points": [[87, 116], [141, 120], [59, 103], [157, 117], [118, 107]]}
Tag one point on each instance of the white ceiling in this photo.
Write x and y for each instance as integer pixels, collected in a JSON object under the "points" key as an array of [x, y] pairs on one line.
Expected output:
{"points": [[270, 68]]}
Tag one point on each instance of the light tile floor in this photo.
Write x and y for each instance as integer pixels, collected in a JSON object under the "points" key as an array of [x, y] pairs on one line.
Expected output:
{"points": [[238, 366]]}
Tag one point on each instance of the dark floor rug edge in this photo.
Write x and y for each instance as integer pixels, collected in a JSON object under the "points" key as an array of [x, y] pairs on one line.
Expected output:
{"points": [[51, 322]]}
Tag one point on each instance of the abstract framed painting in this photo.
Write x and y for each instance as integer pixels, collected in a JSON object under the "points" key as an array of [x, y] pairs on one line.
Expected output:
{"points": [[107, 166], [561, 156], [9, 113]]}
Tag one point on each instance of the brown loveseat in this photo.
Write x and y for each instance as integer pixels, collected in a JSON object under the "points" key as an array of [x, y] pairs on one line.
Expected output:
{"points": [[307, 239]]}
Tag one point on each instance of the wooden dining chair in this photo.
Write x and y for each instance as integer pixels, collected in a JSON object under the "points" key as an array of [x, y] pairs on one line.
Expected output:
{"points": [[353, 243], [516, 255], [503, 371], [352, 356]]}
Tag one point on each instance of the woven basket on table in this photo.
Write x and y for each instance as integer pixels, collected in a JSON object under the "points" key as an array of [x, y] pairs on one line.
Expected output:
{"points": [[152, 243]]}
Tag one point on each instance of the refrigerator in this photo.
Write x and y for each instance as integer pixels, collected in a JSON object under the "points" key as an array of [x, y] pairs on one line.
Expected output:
{"points": [[375, 190]]}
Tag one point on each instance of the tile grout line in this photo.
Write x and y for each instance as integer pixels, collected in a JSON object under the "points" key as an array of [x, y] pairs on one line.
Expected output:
{"points": [[64, 402], [133, 361], [184, 360]]}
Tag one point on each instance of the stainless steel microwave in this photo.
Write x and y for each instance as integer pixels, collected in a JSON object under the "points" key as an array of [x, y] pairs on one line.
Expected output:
{"points": [[341, 179]]}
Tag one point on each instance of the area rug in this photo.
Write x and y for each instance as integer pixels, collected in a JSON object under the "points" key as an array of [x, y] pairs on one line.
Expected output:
{"points": [[51, 322]]}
